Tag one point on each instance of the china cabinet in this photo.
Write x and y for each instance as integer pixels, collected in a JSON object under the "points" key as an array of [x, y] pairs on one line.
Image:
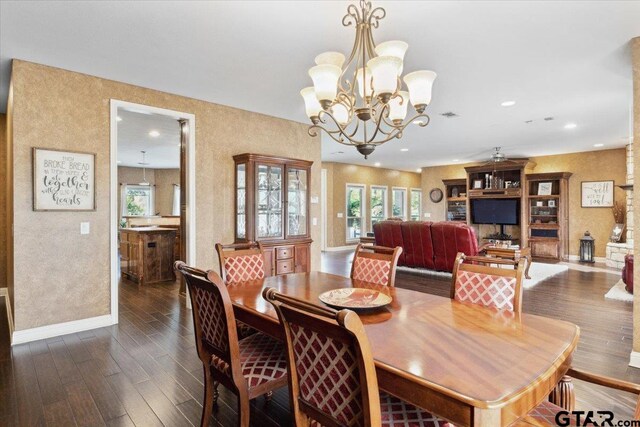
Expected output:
{"points": [[272, 206]]}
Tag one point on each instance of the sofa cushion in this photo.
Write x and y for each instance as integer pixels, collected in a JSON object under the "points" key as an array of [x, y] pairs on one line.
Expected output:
{"points": [[449, 238], [418, 246], [389, 234], [627, 273]]}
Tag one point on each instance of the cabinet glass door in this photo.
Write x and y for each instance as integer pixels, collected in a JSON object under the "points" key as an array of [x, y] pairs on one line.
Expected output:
{"points": [[296, 202], [241, 201], [269, 201]]}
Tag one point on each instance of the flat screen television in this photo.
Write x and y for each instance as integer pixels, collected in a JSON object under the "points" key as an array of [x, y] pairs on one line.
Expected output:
{"points": [[495, 211]]}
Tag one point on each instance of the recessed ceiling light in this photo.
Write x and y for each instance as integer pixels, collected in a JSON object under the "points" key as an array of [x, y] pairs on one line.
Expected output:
{"points": [[179, 145], [376, 164], [154, 133], [570, 126], [118, 118], [598, 145], [508, 103], [404, 149], [455, 160], [419, 170], [119, 161]]}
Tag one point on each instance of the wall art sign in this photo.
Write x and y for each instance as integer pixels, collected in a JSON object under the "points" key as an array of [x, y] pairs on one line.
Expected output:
{"points": [[63, 180], [597, 194]]}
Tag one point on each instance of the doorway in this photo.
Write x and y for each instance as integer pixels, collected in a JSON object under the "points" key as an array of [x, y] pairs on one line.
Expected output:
{"points": [[152, 184]]}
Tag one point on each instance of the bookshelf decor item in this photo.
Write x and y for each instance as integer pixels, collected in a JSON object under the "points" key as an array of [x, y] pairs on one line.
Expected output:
{"points": [[544, 188]]}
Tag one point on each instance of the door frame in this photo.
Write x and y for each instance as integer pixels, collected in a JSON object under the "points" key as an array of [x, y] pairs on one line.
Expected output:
{"points": [[190, 154]]}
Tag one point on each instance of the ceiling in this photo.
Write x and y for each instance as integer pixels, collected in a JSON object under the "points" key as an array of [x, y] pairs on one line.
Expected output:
{"points": [[564, 59], [162, 151]]}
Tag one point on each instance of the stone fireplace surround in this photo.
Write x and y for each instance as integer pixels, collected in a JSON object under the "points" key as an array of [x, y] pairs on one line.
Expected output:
{"points": [[617, 251]]}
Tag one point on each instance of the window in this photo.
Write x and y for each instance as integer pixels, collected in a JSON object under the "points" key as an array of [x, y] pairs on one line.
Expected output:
{"points": [[355, 211], [175, 209], [416, 204], [399, 203], [378, 204], [137, 200]]}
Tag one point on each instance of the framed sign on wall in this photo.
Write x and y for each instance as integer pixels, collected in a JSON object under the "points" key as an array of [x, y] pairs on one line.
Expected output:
{"points": [[63, 180], [597, 194]]}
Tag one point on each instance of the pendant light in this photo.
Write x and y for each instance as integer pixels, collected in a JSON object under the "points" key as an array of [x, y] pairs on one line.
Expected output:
{"points": [[144, 169]]}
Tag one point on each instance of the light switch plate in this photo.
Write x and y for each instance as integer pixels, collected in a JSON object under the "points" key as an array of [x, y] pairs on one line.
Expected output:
{"points": [[315, 221], [85, 228], [427, 214], [340, 215], [314, 199]]}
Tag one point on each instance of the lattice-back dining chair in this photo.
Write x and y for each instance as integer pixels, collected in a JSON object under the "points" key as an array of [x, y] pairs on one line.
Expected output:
{"points": [[545, 413], [375, 264], [475, 281], [240, 262], [332, 377], [250, 367]]}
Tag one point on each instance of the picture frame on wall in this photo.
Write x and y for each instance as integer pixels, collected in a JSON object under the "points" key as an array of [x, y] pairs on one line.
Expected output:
{"points": [[63, 180], [545, 188], [477, 184], [597, 194]]}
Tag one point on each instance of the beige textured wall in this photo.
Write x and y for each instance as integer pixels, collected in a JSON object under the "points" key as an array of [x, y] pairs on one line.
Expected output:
{"points": [[3, 201], [588, 166], [60, 109], [341, 174], [165, 180], [635, 58]]}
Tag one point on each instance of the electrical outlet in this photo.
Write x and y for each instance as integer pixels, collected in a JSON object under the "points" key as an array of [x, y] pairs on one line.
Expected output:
{"points": [[427, 214], [314, 200], [85, 228]]}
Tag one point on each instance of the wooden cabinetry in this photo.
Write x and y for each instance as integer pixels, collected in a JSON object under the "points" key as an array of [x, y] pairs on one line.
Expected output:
{"points": [[548, 214], [272, 206], [499, 180], [147, 254], [456, 199]]}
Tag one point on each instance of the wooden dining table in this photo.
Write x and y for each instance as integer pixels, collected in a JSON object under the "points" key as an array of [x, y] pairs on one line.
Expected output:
{"points": [[472, 365]]}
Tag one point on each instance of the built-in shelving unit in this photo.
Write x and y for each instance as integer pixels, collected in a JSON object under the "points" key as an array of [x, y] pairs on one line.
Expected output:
{"points": [[548, 214], [456, 199]]}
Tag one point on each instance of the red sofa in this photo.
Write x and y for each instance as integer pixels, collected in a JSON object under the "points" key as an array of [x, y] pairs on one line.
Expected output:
{"points": [[627, 273], [430, 245]]}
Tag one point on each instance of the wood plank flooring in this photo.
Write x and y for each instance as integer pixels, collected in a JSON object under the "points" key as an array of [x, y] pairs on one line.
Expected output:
{"points": [[145, 371]]}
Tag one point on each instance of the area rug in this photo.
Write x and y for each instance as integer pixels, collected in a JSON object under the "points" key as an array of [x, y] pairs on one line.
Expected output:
{"points": [[619, 293], [538, 272]]}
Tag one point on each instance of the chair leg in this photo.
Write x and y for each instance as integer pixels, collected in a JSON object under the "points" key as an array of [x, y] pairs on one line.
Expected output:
{"points": [[210, 397], [563, 395], [268, 396], [244, 410]]}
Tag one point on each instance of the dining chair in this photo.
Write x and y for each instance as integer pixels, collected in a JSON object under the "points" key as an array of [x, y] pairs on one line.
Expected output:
{"points": [[474, 280], [375, 264], [332, 377], [238, 263], [241, 262], [249, 367], [545, 413]]}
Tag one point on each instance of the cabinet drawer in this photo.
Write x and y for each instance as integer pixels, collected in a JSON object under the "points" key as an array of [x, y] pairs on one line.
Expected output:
{"points": [[284, 266], [284, 252]]}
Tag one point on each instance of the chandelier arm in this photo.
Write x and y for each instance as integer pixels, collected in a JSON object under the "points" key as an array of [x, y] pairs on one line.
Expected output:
{"points": [[378, 124], [352, 17], [350, 143], [376, 16], [347, 65], [340, 130], [354, 130]]}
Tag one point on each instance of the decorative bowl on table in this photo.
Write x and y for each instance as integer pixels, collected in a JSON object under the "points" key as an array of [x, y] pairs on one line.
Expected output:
{"points": [[355, 298]]}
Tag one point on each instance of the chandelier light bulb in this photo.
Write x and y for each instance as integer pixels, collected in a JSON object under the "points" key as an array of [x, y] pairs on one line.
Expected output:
{"points": [[361, 85], [340, 113], [420, 84], [384, 71], [330, 58], [325, 82], [395, 48], [398, 106], [311, 103]]}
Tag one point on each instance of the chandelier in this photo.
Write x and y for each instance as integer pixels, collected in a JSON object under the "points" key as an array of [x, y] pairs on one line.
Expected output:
{"points": [[361, 102]]}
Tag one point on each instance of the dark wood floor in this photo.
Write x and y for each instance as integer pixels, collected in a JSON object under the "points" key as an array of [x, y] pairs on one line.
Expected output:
{"points": [[144, 371]]}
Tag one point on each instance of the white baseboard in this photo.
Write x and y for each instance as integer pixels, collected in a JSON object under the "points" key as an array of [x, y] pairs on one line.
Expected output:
{"points": [[596, 259], [4, 293], [634, 360], [48, 331], [340, 248]]}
